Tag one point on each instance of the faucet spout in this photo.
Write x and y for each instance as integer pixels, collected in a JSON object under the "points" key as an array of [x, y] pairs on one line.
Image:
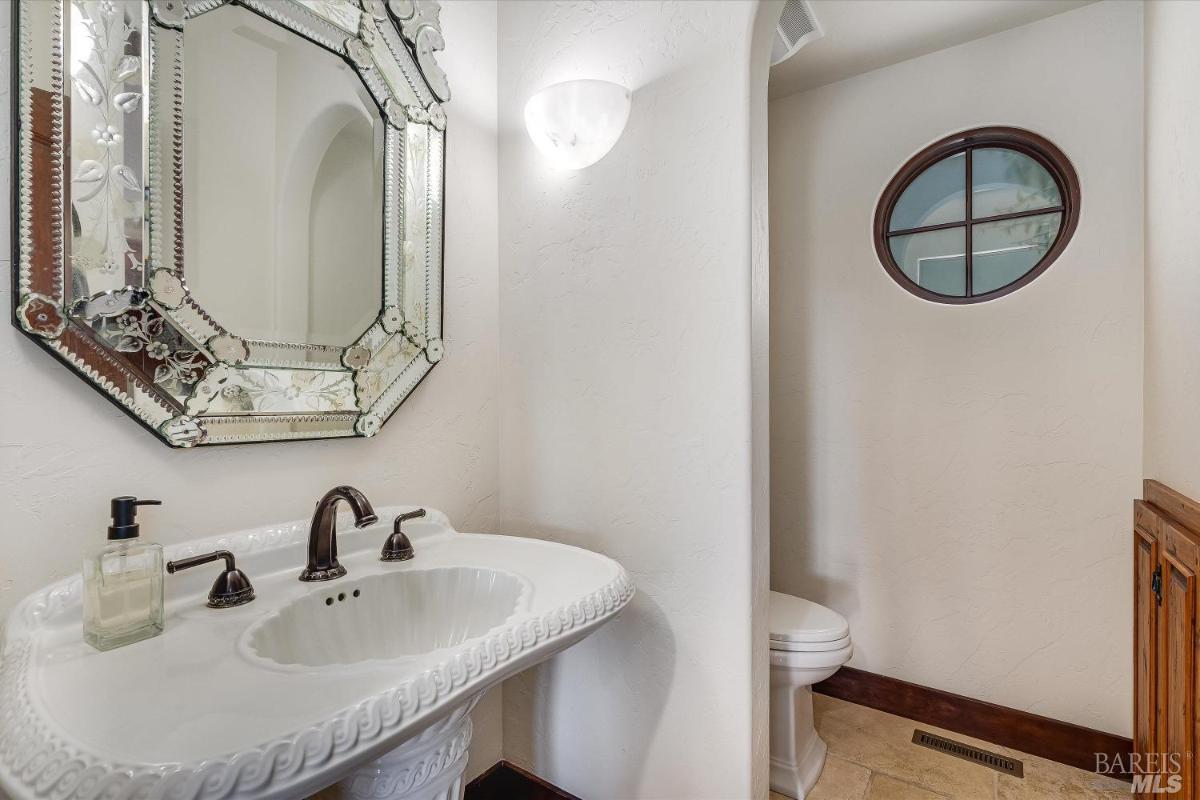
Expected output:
{"points": [[322, 534]]}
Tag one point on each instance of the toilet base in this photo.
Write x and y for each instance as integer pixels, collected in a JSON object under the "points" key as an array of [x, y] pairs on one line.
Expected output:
{"points": [[797, 752], [797, 780]]}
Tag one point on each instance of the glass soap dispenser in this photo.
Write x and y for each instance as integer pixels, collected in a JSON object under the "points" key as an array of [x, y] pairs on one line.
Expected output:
{"points": [[123, 582]]}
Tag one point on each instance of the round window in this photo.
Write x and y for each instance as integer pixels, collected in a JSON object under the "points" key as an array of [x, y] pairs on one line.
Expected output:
{"points": [[977, 215]]}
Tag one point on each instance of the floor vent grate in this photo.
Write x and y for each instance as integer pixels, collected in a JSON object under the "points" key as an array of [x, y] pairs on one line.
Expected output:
{"points": [[1009, 766]]}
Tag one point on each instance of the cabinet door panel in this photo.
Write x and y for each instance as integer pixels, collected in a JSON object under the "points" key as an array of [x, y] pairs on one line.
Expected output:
{"points": [[1145, 644], [1177, 670]]}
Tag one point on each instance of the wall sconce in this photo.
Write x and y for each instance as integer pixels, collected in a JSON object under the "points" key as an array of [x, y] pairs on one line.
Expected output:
{"points": [[575, 123]]}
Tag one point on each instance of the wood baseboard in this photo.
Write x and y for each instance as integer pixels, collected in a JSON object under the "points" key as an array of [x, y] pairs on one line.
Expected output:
{"points": [[506, 781], [1048, 738]]}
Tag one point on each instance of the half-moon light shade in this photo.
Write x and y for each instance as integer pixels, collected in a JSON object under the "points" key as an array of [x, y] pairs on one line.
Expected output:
{"points": [[576, 123]]}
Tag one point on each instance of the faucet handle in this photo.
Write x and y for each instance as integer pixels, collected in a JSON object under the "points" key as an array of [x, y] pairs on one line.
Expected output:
{"points": [[420, 512], [398, 547], [231, 588]]}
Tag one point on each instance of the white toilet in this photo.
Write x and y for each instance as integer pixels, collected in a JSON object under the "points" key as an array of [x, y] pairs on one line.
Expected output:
{"points": [[808, 644]]}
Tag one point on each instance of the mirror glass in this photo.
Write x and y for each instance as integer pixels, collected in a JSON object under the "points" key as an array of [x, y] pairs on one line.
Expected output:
{"points": [[229, 212], [283, 214], [104, 108]]}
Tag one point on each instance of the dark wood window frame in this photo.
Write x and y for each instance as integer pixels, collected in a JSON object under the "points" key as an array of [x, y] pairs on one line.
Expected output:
{"points": [[1040, 149]]}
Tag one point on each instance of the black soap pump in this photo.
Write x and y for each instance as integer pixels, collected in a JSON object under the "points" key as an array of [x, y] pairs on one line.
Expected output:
{"points": [[123, 582], [124, 516]]}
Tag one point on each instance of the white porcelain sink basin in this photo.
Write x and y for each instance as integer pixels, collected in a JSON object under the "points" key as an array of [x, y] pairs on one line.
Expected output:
{"points": [[388, 616], [308, 685]]}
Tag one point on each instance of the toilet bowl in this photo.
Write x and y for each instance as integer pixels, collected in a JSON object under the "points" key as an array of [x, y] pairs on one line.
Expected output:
{"points": [[808, 644]]}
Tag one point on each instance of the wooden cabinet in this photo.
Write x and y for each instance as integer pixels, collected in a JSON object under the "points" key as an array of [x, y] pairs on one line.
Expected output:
{"points": [[1145, 641], [1166, 558]]}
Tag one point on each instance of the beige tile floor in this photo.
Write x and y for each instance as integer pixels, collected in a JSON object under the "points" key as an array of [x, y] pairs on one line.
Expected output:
{"points": [[872, 757]]}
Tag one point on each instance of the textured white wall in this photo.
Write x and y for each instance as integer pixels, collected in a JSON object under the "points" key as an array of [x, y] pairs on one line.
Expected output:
{"points": [[957, 480], [625, 393], [1172, 242], [764, 29], [64, 450]]}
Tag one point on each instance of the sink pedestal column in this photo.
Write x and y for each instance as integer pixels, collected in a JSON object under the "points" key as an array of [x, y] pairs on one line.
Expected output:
{"points": [[429, 767]]}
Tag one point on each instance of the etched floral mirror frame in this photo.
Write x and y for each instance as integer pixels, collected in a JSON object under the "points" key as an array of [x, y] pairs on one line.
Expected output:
{"points": [[137, 334]]}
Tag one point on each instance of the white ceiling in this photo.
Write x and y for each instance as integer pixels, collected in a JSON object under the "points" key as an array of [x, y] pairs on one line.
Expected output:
{"points": [[862, 35]]}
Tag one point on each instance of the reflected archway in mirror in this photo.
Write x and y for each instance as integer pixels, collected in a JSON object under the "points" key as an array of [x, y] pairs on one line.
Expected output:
{"points": [[257, 258]]}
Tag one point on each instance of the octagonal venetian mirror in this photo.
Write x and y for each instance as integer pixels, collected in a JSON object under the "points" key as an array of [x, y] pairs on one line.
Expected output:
{"points": [[229, 215]]}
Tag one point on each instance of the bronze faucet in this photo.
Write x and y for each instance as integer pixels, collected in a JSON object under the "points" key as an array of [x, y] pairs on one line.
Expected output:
{"points": [[398, 547], [232, 587], [322, 535]]}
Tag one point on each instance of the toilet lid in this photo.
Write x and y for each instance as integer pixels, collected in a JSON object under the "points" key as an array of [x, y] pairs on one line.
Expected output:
{"points": [[794, 619], [809, 647]]}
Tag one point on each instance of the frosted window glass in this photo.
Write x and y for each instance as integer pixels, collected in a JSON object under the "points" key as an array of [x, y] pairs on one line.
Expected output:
{"points": [[1006, 181], [934, 260], [1002, 252], [937, 195]]}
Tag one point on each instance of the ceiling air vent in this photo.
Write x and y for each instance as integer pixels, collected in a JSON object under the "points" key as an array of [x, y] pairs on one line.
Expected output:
{"points": [[797, 27]]}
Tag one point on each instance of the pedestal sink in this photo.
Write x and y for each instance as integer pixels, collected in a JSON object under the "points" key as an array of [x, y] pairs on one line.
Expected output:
{"points": [[366, 681]]}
